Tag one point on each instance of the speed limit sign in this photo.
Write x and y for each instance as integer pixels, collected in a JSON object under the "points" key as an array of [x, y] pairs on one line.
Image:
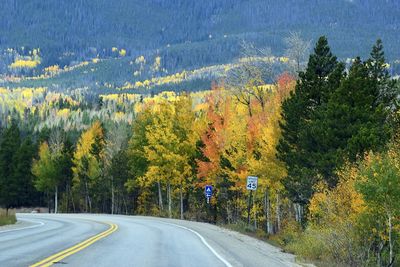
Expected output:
{"points": [[252, 183]]}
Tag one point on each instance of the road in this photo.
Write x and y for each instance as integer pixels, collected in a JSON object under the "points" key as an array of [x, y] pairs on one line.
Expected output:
{"points": [[115, 240]]}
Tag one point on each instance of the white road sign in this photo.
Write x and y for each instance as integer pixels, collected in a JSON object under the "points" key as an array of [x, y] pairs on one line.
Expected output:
{"points": [[252, 183]]}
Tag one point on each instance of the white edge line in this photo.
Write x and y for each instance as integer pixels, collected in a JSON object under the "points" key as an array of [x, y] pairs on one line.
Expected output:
{"points": [[37, 224], [204, 242]]}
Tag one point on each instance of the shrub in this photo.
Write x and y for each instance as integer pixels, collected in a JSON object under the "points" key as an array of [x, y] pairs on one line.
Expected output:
{"points": [[9, 218]]}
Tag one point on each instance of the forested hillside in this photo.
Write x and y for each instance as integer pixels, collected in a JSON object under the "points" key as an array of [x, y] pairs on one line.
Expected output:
{"points": [[185, 34], [134, 107], [80, 25], [324, 145]]}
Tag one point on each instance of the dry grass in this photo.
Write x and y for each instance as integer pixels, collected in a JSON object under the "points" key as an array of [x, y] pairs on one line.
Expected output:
{"points": [[9, 218]]}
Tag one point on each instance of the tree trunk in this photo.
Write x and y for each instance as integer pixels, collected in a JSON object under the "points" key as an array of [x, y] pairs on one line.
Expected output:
{"points": [[268, 213], [255, 219], [391, 257], [67, 197], [160, 201], [255, 210], [56, 199], [112, 195], [250, 111], [262, 102], [298, 209], [228, 214], [378, 258], [90, 204], [169, 201], [73, 202], [88, 201], [236, 213], [278, 212], [125, 205], [181, 198]]}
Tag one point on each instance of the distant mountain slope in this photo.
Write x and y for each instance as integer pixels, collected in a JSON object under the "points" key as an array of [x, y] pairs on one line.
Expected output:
{"points": [[76, 25]]}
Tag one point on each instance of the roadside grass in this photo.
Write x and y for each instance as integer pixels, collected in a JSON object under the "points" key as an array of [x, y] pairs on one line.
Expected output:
{"points": [[250, 230], [7, 219], [290, 233]]}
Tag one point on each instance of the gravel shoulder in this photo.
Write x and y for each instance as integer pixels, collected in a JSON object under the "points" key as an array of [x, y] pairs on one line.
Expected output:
{"points": [[237, 248]]}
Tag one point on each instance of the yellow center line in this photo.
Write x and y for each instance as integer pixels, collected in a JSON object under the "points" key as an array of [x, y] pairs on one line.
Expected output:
{"points": [[76, 248]]}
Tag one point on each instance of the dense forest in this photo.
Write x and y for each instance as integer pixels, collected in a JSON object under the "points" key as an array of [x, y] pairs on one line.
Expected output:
{"points": [[185, 35], [133, 107], [79, 26], [323, 141]]}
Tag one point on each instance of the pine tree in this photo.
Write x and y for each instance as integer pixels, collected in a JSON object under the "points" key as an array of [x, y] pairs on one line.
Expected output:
{"points": [[313, 89], [25, 193], [8, 148], [355, 119], [388, 90]]}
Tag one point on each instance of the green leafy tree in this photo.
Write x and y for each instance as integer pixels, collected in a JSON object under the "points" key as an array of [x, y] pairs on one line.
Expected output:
{"points": [[380, 188], [137, 161], [48, 171]]}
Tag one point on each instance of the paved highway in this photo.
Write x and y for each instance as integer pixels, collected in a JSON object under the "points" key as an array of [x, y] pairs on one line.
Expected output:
{"points": [[106, 240]]}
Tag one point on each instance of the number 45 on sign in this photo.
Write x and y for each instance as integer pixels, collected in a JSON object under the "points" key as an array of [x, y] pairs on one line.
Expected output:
{"points": [[252, 183]]}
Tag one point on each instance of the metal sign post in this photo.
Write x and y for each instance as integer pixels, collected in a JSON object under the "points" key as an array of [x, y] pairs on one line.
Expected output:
{"points": [[252, 182], [208, 192]]}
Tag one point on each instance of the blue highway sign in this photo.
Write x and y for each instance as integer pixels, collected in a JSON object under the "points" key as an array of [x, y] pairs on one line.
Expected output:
{"points": [[208, 190]]}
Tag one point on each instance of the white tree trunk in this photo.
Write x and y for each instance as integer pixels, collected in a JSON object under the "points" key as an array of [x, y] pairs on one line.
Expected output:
{"points": [[169, 201], [181, 196], [298, 209], [390, 239], [278, 212], [160, 200], [268, 213]]}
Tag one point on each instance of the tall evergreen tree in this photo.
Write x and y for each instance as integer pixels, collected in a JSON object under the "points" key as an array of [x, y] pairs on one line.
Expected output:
{"points": [[355, 119], [388, 90], [8, 148], [313, 89], [332, 117], [26, 195], [16, 187]]}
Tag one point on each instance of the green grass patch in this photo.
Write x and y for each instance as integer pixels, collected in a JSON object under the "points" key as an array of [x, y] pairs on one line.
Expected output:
{"points": [[7, 218]]}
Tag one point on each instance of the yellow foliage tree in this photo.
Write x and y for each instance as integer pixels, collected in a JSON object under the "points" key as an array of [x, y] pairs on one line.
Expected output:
{"points": [[171, 143], [88, 157]]}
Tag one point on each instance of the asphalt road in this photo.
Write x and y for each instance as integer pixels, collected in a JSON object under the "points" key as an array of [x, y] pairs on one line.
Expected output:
{"points": [[106, 240]]}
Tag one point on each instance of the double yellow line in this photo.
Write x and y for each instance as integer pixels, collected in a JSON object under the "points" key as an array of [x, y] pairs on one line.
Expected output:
{"points": [[74, 249]]}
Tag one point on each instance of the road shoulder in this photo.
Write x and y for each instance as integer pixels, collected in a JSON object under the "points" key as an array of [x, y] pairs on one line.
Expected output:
{"points": [[239, 249]]}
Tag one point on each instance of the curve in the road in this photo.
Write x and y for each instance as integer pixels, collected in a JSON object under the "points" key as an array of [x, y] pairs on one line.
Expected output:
{"points": [[35, 224], [76, 248], [227, 264]]}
